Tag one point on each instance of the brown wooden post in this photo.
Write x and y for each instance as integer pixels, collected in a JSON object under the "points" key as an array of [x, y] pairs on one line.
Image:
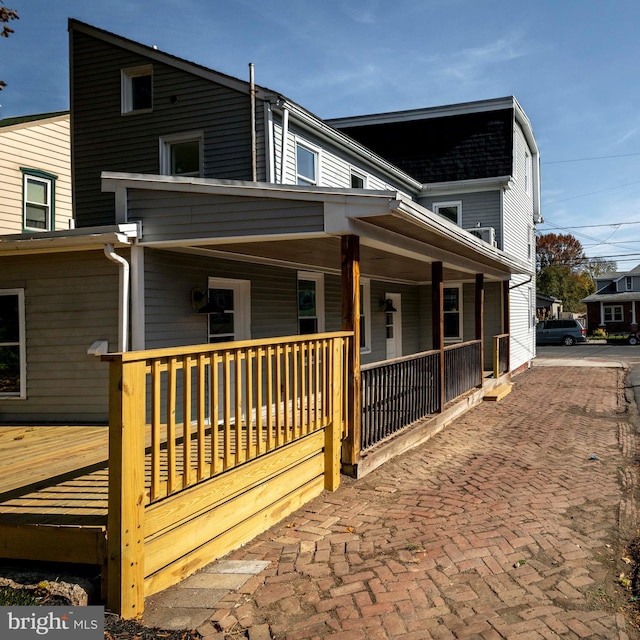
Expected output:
{"points": [[125, 531], [506, 319], [333, 431], [479, 318], [350, 263], [437, 319]]}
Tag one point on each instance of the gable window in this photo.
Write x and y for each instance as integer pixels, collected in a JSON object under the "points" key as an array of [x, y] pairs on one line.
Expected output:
{"points": [[228, 310], [628, 283], [136, 87], [358, 180], [613, 313], [310, 302], [182, 155], [38, 200], [12, 347], [449, 210], [452, 301], [306, 165]]}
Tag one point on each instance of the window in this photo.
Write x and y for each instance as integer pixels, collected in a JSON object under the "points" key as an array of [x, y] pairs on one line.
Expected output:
{"points": [[358, 180], [12, 348], [228, 310], [38, 200], [365, 315], [613, 313], [310, 302], [306, 165], [450, 210], [452, 301], [136, 89], [628, 283], [182, 155]]}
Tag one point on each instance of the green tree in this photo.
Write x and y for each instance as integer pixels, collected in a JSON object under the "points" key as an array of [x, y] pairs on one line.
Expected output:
{"points": [[6, 15], [562, 270]]}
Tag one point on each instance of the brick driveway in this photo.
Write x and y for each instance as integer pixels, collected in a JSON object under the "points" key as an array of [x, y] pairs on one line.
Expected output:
{"points": [[511, 523]]}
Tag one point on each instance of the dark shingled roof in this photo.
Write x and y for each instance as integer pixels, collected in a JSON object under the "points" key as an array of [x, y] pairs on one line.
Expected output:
{"points": [[461, 147], [7, 122]]}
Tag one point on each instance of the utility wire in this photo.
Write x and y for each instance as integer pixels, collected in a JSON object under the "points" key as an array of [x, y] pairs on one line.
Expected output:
{"points": [[622, 155]]}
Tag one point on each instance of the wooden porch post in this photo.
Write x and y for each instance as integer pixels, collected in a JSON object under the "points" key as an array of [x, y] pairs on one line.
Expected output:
{"points": [[350, 263], [479, 317], [506, 319], [125, 520], [437, 320]]}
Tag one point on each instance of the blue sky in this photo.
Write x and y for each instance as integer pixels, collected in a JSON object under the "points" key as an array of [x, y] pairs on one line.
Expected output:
{"points": [[572, 65]]}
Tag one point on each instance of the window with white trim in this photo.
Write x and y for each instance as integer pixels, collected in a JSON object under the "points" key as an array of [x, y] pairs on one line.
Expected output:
{"points": [[136, 89], [452, 301], [613, 313], [307, 161], [38, 200], [310, 302], [527, 171], [628, 283], [358, 180], [228, 310], [365, 315], [182, 154], [449, 210], [12, 344]]}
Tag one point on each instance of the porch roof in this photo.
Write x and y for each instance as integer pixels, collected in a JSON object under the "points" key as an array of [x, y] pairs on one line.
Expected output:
{"points": [[399, 238], [624, 296]]}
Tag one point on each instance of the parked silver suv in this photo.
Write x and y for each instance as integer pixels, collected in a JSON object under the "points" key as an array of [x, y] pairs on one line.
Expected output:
{"points": [[566, 332]]}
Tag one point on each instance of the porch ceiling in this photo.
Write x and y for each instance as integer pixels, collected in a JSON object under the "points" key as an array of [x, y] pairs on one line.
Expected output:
{"points": [[324, 254]]}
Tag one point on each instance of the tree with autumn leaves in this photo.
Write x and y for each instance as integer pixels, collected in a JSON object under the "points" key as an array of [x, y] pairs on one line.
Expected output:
{"points": [[563, 270], [6, 15]]}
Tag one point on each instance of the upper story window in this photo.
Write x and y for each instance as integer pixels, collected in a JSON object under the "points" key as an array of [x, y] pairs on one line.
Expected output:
{"points": [[136, 89], [306, 164], [12, 347], [310, 302], [38, 200], [527, 171], [358, 180], [628, 283], [182, 155], [450, 210]]}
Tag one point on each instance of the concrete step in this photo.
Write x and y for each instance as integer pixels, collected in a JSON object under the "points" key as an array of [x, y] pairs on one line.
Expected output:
{"points": [[497, 393]]}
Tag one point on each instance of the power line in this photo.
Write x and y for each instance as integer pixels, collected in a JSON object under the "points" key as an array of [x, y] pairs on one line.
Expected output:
{"points": [[622, 155]]}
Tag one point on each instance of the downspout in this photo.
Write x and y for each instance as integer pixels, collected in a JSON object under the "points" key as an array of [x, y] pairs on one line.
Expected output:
{"points": [[123, 289], [285, 135]]}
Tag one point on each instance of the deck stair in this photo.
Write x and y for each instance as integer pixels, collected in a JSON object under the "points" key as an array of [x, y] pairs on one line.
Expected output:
{"points": [[497, 393]]}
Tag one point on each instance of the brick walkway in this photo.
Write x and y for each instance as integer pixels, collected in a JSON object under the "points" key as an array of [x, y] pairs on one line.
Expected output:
{"points": [[511, 523]]}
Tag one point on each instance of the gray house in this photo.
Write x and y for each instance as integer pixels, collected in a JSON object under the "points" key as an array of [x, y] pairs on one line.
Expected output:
{"points": [[209, 209]]}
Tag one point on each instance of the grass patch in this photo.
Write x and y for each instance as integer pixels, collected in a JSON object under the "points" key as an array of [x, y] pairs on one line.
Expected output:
{"points": [[11, 597]]}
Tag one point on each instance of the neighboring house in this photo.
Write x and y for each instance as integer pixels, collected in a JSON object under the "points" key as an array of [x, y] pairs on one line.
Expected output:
{"points": [[615, 305], [548, 307], [478, 166], [35, 173], [182, 194]]}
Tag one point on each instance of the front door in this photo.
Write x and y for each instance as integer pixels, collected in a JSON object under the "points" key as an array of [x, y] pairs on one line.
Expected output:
{"points": [[393, 322]]}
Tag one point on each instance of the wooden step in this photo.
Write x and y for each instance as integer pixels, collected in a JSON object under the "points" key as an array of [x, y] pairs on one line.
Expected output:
{"points": [[497, 393]]}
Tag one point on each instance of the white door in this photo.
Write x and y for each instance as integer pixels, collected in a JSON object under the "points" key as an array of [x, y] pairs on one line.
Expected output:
{"points": [[393, 322]]}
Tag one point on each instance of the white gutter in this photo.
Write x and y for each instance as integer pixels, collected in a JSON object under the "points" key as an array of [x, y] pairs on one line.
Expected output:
{"points": [[123, 307]]}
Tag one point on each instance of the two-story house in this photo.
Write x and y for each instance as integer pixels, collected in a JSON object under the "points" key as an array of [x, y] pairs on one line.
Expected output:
{"points": [[210, 209], [35, 173], [615, 304]]}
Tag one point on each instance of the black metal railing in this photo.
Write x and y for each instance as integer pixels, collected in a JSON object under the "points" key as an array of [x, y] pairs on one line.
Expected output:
{"points": [[462, 368], [396, 393]]}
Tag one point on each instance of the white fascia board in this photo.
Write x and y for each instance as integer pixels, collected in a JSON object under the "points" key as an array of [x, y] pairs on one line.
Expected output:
{"points": [[69, 240], [466, 186]]}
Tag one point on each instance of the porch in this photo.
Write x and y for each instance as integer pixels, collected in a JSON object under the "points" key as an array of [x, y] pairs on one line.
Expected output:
{"points": [[149, 506]]}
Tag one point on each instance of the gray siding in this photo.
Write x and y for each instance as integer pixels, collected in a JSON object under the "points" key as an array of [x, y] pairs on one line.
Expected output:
{"points": [[175, 216], [105, 140], [480, 209], [71, 300]]}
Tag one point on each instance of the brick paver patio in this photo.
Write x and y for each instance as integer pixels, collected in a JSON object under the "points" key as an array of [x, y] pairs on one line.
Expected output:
{"points": [[511, 523]]}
